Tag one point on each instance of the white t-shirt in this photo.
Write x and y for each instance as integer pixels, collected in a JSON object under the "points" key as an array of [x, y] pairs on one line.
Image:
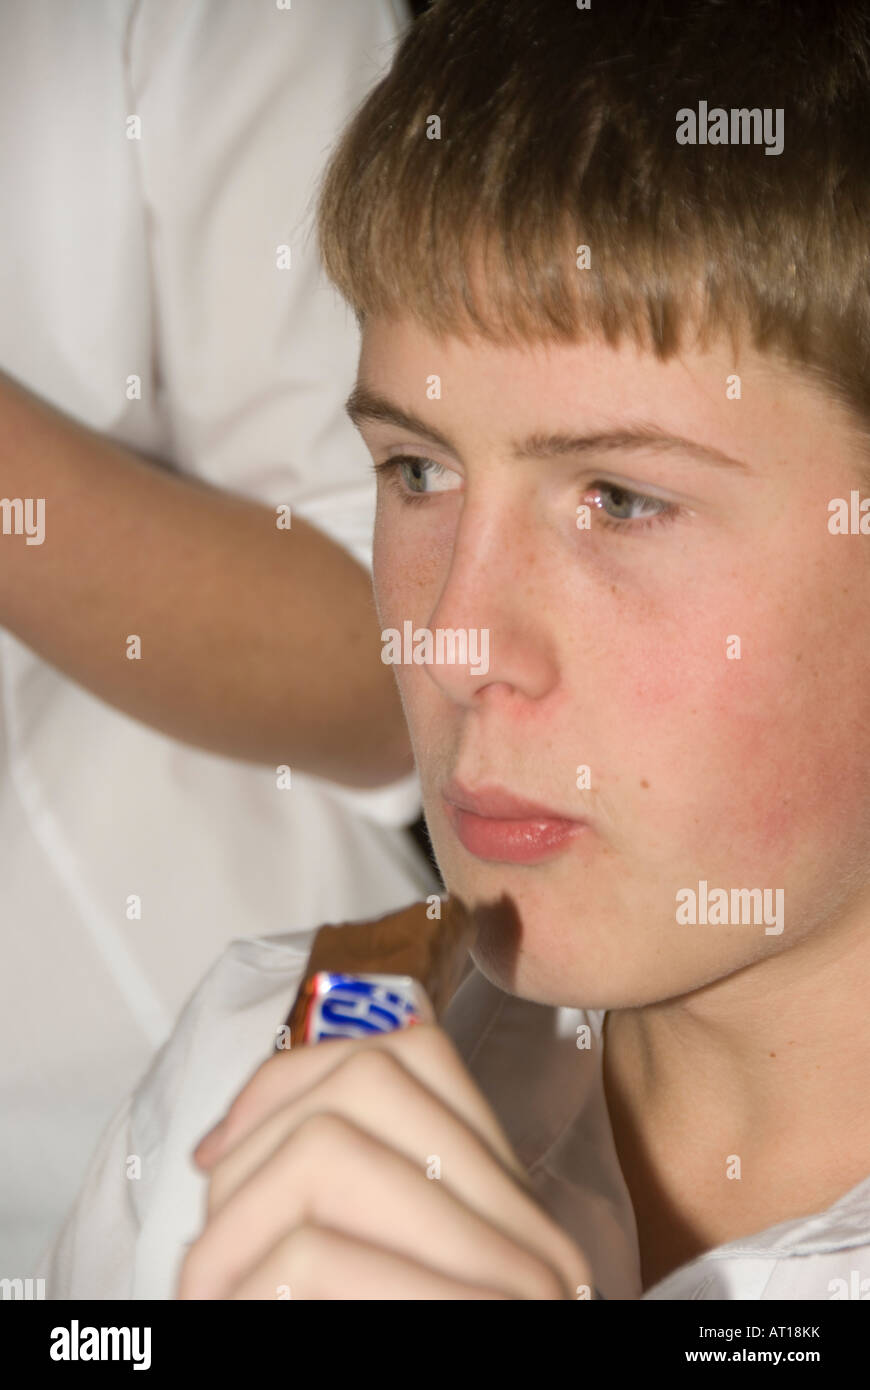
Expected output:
{"points": [[157, 257], [126, 1236]]}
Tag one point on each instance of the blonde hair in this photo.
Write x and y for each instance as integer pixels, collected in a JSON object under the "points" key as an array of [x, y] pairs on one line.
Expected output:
{"points": [[558, 129]]}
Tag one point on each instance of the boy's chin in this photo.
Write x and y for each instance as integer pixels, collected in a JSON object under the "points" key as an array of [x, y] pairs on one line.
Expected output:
{"points": [[536, 978], [536, 981], [607, 966], [503, 953], [626, 981]]}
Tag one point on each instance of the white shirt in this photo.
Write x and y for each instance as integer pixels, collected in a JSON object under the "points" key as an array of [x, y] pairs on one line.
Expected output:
{"points": [[157, 257], [126, 1237]]}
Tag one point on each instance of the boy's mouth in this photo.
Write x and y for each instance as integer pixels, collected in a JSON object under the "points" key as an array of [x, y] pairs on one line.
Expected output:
{"points": [[494, 824]]}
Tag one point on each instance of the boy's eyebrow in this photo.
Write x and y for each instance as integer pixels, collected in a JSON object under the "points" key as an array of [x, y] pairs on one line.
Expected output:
{"points": [[363, 404]]}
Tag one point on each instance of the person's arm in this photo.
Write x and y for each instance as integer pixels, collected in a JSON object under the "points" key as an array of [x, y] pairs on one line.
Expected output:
{"points": [[258, 643]]}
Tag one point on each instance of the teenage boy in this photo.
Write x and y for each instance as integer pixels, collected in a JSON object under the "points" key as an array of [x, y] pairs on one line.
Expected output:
{"points": [[615, 386]]}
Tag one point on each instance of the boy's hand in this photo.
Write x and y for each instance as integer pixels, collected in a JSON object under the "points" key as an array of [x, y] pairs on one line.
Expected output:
{"points": [[320, 1185]]}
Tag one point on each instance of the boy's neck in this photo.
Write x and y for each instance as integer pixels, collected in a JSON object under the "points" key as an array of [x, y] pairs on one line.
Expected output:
{"points": [[743, 1105]]}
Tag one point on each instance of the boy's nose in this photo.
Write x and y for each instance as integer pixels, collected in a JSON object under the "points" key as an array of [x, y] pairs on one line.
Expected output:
{"points": [[496, 623]]}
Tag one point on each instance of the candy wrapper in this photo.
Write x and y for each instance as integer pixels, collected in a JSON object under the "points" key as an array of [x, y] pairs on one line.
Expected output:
{"points": [[364, 978]]}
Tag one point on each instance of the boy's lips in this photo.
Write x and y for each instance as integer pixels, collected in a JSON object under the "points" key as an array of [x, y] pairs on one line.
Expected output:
{"points": [[494, 824]]}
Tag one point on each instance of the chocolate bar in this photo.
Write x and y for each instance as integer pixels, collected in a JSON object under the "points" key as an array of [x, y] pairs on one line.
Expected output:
{"points": [[389, 955]]}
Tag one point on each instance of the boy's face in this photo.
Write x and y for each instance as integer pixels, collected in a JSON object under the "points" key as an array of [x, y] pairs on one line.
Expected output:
{"points": [[609, 649]]}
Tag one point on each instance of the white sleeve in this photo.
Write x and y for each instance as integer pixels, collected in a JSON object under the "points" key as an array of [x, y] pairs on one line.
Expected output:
{"points": [[143, 1200], [239, 107], [93, 1255]]}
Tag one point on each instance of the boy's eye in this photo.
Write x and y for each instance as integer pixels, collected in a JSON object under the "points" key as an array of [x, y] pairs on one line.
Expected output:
{"points": [[620, 504], [416, 476]]}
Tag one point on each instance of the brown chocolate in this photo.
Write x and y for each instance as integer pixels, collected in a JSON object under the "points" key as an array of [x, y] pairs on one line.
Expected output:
{"points": [[409, 942]]}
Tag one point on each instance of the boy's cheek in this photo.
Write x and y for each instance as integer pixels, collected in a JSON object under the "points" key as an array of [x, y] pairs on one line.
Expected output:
{"points": [[408, 571], [748, 741]]}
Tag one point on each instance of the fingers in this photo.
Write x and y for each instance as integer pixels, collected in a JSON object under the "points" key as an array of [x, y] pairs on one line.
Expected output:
{"points": [[372, 1088], [315, 1263], [424, 1050], [332, 1174], [386, 1144], [276, 1174]]}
